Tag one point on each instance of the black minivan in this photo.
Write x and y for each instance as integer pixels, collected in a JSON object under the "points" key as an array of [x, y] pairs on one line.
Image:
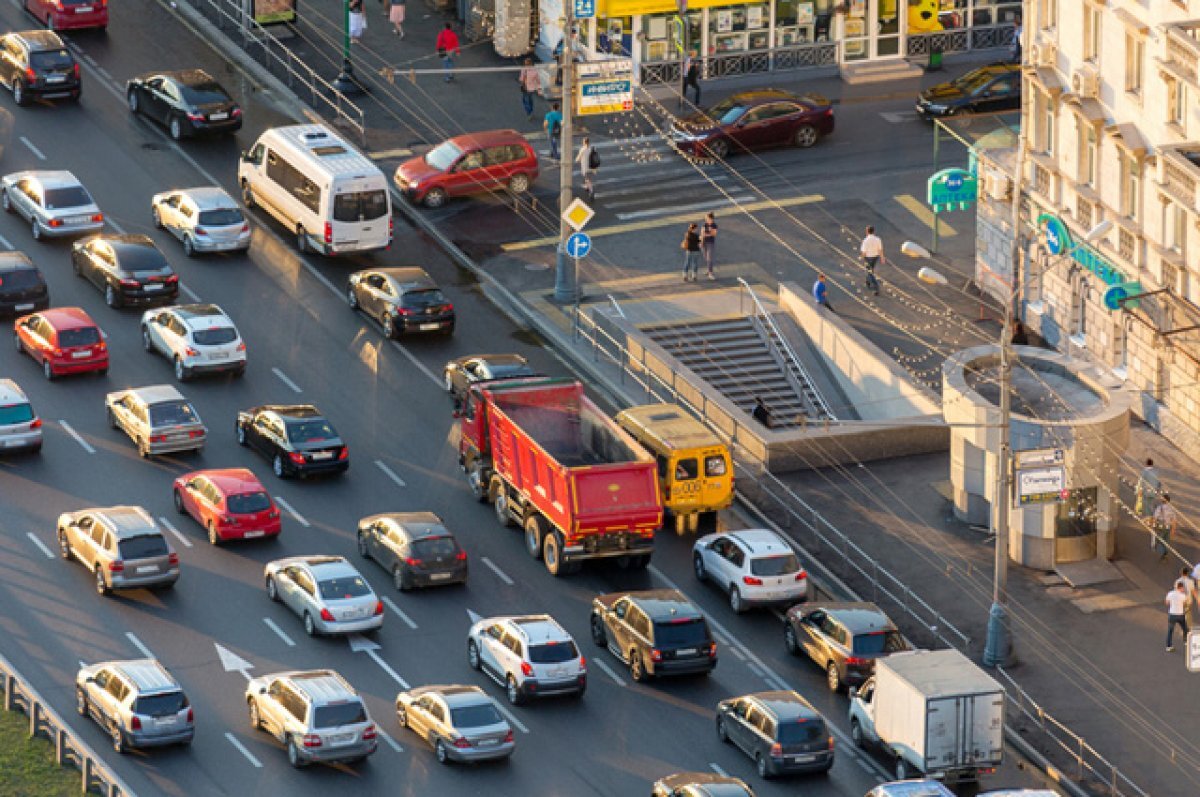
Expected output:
{"points": [[22, 287], [780, 730]]}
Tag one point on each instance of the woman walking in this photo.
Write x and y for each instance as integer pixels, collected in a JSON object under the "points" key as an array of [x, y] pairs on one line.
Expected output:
{"points": [[396, 17], [708, 242], [589, 161], [358, 21], [691, 252]]}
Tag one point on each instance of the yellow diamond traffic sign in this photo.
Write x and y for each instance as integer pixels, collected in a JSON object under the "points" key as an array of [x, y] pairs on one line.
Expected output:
{"points": [[577, 215]]}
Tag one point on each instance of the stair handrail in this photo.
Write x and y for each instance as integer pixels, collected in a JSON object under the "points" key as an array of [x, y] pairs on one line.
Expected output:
{"points": [[616, 306], [787, 352]]}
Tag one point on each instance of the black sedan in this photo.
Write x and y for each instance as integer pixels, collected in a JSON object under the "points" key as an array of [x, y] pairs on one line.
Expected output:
{"points": [[188, 102], [461, 373], [752, 120], [996, 87], [297, 439], [415, 547], [402, 300], [128, 268]]}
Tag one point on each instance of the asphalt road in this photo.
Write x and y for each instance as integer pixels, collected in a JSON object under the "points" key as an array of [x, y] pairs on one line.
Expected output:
{"points": [[306, 345]]}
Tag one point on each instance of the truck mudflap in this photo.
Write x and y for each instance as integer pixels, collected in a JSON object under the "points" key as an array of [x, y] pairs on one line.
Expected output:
{"points": [[599, 543]]}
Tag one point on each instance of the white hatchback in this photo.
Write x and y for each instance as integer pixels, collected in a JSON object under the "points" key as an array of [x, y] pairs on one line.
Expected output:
{"points": [[197, 338], [757, 567], [529, 656], [205, 219]]}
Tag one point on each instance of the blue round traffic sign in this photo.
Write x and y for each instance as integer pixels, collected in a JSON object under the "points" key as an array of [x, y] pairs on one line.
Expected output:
{"points": [[579, 244]]}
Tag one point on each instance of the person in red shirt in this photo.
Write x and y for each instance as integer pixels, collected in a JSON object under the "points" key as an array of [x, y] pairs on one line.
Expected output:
{"points": [[447, 47]]}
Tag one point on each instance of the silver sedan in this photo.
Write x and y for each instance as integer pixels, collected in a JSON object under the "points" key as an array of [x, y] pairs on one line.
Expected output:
{"points": [[327, 592], [54, 202], [461, 723]]}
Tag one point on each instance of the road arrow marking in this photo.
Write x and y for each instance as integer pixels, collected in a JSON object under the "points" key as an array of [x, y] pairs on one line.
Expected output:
{"points": [[360, 644], [232, 662]]}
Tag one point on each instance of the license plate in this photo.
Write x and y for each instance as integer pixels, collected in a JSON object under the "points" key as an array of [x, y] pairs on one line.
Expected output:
{"points": [[322, 455], [153, 286], [252, 534], [687, 652], [216, 117], [439, 576], [341, 738], [24, 307], [486, 743], [165, 721], [55, 78], [79, 355], [83, 10], [800, 759], [430, 326], [77, 219], [219, 355], [148, 569]]}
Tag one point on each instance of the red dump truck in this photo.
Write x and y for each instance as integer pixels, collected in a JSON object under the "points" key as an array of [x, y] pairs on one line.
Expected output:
{"points": [[551, 462]]}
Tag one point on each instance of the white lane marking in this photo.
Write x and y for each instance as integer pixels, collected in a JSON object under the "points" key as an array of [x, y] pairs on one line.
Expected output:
{"points": [[287, 640], [41, 546], [292, 511], [396, 610], [114, 224], [391, 474], [386, 668], [717, 768], [91, 61], [137, 643], [475, 616], [512, 718], [662, 211], [67, 428], [420, 365], [609, 671], [500, 573], [392, 743], [754, 669], [32, 148], [188, 292], [778, 684], [5, 242], [232, 662], [104, 72], [733, 650], [242, 749], [284, 378], [171, 528]]}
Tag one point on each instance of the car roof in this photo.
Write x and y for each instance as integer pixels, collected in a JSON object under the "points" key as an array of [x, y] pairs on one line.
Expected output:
{"points": [[11, 393], [786, 705], [329, 566], [760, 542], [189, 77], [157, 394], [494, 359], [200, 315], [756, 96], [52, 178], [41, 39], [292, 411], [664, 604], [322, 686], [15, 261], [232, 481], [123, 242], [208, 197], [712, 784], [67, 318], [147, 675], [858, 617], [999, 68], [911, 788], [488, 138], [417, 524], [539, 629], [126, 521], [459, 696], [408, 277]]}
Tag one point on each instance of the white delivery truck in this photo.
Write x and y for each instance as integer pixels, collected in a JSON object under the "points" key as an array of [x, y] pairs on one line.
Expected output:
{"points": [[935, 711]]}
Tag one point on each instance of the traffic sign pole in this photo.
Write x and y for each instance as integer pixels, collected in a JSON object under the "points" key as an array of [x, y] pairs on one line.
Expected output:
{"points": [[566, 271]]}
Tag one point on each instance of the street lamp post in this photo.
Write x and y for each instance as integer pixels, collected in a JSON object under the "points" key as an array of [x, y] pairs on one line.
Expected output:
{"points": [[566, 268], [345, 82]]}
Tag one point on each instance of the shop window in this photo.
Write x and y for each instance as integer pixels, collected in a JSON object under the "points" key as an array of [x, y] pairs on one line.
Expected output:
{"points": [[614, 35], [802, 21], [739, 28]]}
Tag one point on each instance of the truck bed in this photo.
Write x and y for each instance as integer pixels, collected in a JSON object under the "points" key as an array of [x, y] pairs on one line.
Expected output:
{"points": [[567, 427]]}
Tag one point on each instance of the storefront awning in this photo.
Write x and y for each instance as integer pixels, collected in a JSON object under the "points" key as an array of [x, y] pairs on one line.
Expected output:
{"points": [[629, 8]]}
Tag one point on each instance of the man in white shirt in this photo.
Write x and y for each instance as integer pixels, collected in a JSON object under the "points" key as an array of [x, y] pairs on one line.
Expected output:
{"points": [[1176, 602], [871, 250]]}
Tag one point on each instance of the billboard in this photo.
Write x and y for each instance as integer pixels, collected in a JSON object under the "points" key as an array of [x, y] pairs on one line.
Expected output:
{"points": [[604, 87]]}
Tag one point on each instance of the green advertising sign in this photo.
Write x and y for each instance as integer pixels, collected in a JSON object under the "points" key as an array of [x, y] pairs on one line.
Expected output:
{"points": [[951, 189]]}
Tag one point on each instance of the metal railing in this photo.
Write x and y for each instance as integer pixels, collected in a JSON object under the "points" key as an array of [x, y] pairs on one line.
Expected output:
{"points": [[960, 40], [771, 59], [69, 749], [319, 92]]}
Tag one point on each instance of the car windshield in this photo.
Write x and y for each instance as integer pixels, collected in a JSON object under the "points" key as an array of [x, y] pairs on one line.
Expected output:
{"points": [[475, 716], [143, 546], [172, 413], [83, 336], [221, 217], [434, 547], [681, 633], [801, 732], [878, 642], [50, 59], [204, 93], [972, 82], [782, 565], [360, 206], [246, 503], [141, 260], [424, 298], [311, 431], [215, 336], [339, 714], [726, 112], [20, 279], [553, 653], [714, 465], [70, 197], [443, 156], [343, 588], [15, 413], [160, 705]]}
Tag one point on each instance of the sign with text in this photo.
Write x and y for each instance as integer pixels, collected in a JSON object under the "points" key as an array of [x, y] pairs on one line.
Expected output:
{"points": [[1041, 485], [1037, 457], [951, 189], [1057, 239], [604, 87], [1193, 650], [584, 9]]}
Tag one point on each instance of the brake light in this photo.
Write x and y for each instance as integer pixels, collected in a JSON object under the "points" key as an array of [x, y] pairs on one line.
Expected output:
{"points": [[460, 556], [391, 226], [55, 222], [446, 308], [712, 650], [30, 75], [296, 457], [129, 283], [776, 750], [241, 347], [752, 581], [803, 574], [344, 454], [172, 279], [173, 559], [403, 311], [191, 717], [412, 562], [655, 655], [235, 113], [830, 742], [855, 661], [116, 566], [527, 669], [369, 733], [245, 228], [312, 740], [583, 663], [327, 615], [378, 608], [57, 352], [461, 743], [101, 346], [36, 423], [135, 723], [273, 514], [158, 438], [196, 117], [195, 433], [200, 231], [75, 70], [328, 233], [98, 217], [190, 352], [508, 737]]}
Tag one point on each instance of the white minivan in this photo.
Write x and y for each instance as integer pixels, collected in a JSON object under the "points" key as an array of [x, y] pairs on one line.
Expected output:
{"points": [[324, 191]]}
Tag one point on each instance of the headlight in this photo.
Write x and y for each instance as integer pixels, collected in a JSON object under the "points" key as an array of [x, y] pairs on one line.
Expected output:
{"points": [[684, 135]]}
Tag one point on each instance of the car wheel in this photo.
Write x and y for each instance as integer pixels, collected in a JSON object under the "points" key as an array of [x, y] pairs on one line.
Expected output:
{"points": [[81, 701], [789, 639], [698, 567], [363, 550], [178, 497], [499, 496], [147, 344], [5, 201], [176, 128], [18, 91], [552, 554], [182, 372], [722, 731], [247, 195], [213, 537], [156, 216], [598, 635], [64, 546], [805, 136], [255, 719], [636, 668], [111, 297], [277, 467], [389, 326], [718, 149], [189, 246], [293, 753], [101, 585], [439, 750], [301, 240], [473, 655], [35, 229], [310, 627], [513, 692], [856, 734], [832, 679], [519, 183], [272, 590], [135, 104], [47, 369], [735, 600], [760, 763], [118, 738], [435, 198], [352, 298], [533, 536]]}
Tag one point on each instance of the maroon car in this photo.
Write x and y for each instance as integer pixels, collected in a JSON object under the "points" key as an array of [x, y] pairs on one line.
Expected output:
{"points": [[753, 120]]}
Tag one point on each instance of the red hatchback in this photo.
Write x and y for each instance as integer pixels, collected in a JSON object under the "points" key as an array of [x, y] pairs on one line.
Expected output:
{"points": [[230, 504], [64, 340], [470, 164], [69, 14]]}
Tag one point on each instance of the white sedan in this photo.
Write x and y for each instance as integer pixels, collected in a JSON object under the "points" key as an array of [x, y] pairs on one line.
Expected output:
{"points": [[205, 219], [756, 567], [197, 338]]}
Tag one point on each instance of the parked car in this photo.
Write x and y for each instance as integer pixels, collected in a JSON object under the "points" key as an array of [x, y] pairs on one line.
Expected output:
{"points": [[996, 87], [138, 703], [188, 102], [757, 567], [20, 427], [54, 203], [120, 545], [231, 504], [530, 656], [844, 639], [753, 120], [22, 286], [70, 14], [401, 300], [128, 269], [461, 723], [700, 784], [205, 219], [465, 371], [64, 340], [296, 438], [415, 547], [656, 632], [157, 418], [36, 64], [316, 714], [780, 731], [469, 164], [197, 338], [327, 592]]}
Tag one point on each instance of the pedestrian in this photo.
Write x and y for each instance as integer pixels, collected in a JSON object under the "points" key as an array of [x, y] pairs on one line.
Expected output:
{"points": [[708, 242], [589, 161], [1165, 519], [358, 21], [552, 124], [871, 250], [691, 252], [1015, 47], [447, 48], [1176, 602], [396, 11], [691, 75], [1020, 336], [531, 83], [760, 412], [821, 293], [1148, 485], [1189, 587]]}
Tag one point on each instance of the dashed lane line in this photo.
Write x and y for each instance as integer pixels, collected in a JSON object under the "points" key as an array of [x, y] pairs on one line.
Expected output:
{"points": [[396, 610], [391, 474], [78, 439], [287, 640], [191, 294], [291, 510], [392, 743], [284, 378], [32, 148], [171, 528], [5, 242], [241, 748], [374, 654], [137, 643], [499, 573], [512, 718], [608, 670], [717, 768], [41, 546]]}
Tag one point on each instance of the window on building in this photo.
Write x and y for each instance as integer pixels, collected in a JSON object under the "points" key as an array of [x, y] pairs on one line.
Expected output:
{"points": [[1174, 232], [1087, 154], [1131, 187], [1049, 9], [1178, 108], [1044, 114], [1135, 56], [1091, 32]]}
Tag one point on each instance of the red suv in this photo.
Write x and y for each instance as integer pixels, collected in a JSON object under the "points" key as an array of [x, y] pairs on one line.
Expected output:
{"points": [[65, 340], [69, 14], [231, 504], [469, 164]]}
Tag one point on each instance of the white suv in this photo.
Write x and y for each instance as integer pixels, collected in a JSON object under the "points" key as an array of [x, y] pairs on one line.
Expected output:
{"points": [[20, 427], [197, 338], [756, 567], [529, 656]]}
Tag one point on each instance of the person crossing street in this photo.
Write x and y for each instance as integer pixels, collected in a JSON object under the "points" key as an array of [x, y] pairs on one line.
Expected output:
{"points": [[448, 49], [552, 124], [871, 250], [530, 83], [589, 161]]}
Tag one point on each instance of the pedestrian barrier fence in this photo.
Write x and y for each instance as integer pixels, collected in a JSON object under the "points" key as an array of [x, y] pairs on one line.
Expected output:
{"points": [[69, 749], [771, 59]]}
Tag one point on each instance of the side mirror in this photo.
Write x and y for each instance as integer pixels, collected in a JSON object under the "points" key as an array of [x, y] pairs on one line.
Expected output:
{"points": [[853, 692], [262, 690]]}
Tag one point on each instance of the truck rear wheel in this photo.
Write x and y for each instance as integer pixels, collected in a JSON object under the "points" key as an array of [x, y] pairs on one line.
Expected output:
{"points": [[478, 482], [498, 494], [552, 545], [534, 531]]}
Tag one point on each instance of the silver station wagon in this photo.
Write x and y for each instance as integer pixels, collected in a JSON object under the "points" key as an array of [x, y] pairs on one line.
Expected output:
{"points": [[54, 202], [158, 419], [121, 545]]}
